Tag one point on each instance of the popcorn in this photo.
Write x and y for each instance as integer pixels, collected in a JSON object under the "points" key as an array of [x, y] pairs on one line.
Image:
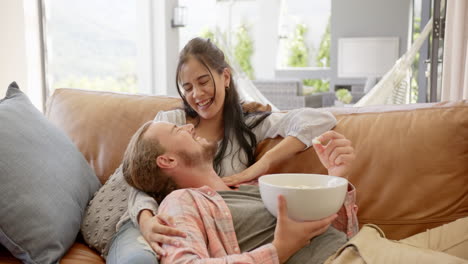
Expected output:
{"points": [[316, 141]]}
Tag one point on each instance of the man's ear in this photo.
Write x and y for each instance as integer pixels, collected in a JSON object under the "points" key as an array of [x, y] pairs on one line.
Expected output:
{"points": [[166, 161]]}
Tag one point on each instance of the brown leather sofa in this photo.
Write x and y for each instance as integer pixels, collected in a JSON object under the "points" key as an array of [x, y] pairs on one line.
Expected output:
{"points": [[411, 170]]}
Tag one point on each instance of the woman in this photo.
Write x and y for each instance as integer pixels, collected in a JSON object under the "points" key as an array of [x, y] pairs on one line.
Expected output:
{"points": [[212, 105]]}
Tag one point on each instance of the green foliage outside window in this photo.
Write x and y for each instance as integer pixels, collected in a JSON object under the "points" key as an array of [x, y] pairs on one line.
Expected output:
{"points": [[318, 86], [308, 82], [323, 55], [344, 96], [209, 34], [299, 54], [243, 50], [322, 60]]}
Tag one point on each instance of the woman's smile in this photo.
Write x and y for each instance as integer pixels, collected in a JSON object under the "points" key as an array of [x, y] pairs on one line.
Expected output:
{"points": [[204, 104]]}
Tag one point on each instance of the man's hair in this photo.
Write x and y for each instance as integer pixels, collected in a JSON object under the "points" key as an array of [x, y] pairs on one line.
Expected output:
{"points": [[140, 169]]}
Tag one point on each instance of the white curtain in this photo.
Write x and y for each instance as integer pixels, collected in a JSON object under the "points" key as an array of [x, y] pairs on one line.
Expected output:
{"points": [[455, 65]]}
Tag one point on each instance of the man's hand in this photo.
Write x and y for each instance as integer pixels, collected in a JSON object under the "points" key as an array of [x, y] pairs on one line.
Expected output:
{"points": [[336, 155], [291, 236], [159, 229]]}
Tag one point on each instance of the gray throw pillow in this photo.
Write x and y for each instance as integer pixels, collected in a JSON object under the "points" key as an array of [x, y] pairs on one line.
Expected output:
{"points": [[105, 211], [45, 183]]}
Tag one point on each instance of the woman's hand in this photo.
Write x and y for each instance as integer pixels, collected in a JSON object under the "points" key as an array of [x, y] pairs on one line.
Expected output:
{"points": [[337, 154], [251, 173], [159, 229], [291, 236]]}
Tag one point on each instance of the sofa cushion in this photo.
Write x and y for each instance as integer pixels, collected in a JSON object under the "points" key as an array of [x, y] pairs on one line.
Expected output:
{"points": [[411, 167], [103, 122], [45, 183], [99, 223]]}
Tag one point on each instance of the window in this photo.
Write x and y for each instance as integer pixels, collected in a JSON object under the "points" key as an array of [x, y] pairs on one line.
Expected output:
{"points": [[304, 43], [91, 44], [304, 31], [253, 31], [232, 26]]}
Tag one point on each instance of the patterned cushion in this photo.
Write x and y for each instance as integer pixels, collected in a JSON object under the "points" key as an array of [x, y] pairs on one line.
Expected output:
{"points": [[104, 212]]}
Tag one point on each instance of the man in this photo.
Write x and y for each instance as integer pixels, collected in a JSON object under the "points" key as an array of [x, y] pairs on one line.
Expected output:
{"points": [[232, 226]]}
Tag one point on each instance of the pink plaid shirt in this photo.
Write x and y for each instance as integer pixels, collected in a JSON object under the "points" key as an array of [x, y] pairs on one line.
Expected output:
{"points": [[204, 216]]}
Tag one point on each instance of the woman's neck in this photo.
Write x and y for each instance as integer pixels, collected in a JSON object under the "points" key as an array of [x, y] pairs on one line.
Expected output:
{"points": [[211, 129]]}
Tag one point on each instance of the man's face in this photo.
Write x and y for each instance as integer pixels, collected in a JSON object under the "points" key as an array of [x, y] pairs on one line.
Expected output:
{"points": [[183, 141]]}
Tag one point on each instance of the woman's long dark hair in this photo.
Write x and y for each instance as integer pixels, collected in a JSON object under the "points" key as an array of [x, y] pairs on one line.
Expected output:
{"points": [[210, 56]]}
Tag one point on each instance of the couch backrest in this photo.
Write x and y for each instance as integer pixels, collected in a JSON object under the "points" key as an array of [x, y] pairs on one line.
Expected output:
{"points": [[102, 123], [411, 169]]}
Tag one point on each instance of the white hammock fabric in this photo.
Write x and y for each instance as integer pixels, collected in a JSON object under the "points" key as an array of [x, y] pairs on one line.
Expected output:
{"points": [[245, 87], [394, 87]]}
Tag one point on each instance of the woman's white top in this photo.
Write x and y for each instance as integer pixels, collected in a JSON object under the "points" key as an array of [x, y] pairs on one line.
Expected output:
{"points": [[304, 124]]}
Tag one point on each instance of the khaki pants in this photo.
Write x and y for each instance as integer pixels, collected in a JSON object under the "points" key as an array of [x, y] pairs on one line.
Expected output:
{"points": [[444, 244]]}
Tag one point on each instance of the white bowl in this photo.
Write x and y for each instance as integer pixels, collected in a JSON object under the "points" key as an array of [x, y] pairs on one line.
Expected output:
{"points": [[308, 196]]}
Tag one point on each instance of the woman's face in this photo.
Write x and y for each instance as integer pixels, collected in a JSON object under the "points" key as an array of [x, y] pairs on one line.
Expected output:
{"points": [[199, 88]]}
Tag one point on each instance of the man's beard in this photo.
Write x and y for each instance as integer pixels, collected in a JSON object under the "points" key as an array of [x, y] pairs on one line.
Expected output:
{"points": [[192, 159]]}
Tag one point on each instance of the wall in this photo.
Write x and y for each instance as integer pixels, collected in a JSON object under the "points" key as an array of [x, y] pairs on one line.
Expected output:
{"points": [[367, 18], [20, 48], [266, 39], [158, 61], [12, 45]]}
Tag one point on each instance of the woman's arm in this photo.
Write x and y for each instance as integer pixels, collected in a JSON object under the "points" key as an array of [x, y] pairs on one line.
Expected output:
{"points": [[304, 124], [155, 228], [287, 148], [334, 150], [138, 202]]}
